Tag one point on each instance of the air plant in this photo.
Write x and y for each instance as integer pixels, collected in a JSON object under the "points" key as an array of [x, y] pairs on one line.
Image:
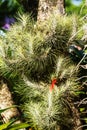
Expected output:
{"points": [[32, 57]]}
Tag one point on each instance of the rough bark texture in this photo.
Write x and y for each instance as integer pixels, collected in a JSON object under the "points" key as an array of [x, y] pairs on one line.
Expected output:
{"points": [[6, 101], [41, 9], [47, 7], [61, 6]]}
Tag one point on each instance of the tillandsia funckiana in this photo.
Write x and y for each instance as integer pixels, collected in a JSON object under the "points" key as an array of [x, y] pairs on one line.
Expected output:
{"points": [[33, 54]]}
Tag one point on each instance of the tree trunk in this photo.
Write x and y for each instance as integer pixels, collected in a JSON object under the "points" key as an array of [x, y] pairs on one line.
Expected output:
{"points": [[47, 7], [6, 101], [61, 6], [41, 9]]}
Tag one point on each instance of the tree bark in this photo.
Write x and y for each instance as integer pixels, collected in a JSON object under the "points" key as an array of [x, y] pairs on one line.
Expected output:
{"points": [[6, 101], [41, 9], [61, 6], [47, 7]]}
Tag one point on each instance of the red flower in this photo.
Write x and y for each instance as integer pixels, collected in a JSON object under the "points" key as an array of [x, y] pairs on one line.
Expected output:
{"points": [[52, 84]]}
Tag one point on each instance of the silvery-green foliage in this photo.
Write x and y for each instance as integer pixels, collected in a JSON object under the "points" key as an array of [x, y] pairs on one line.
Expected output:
{"points": [[32, 55]]}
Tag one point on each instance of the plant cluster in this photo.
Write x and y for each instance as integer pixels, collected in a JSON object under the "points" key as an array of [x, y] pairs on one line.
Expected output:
{"points": [[31, 56]]}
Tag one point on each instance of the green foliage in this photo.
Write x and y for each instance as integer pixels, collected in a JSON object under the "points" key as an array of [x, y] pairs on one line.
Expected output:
{"points": [[47, 114], [30, 52], [12, 126], [73, 9], [52, 109], [2, 110], [9, 6]]}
